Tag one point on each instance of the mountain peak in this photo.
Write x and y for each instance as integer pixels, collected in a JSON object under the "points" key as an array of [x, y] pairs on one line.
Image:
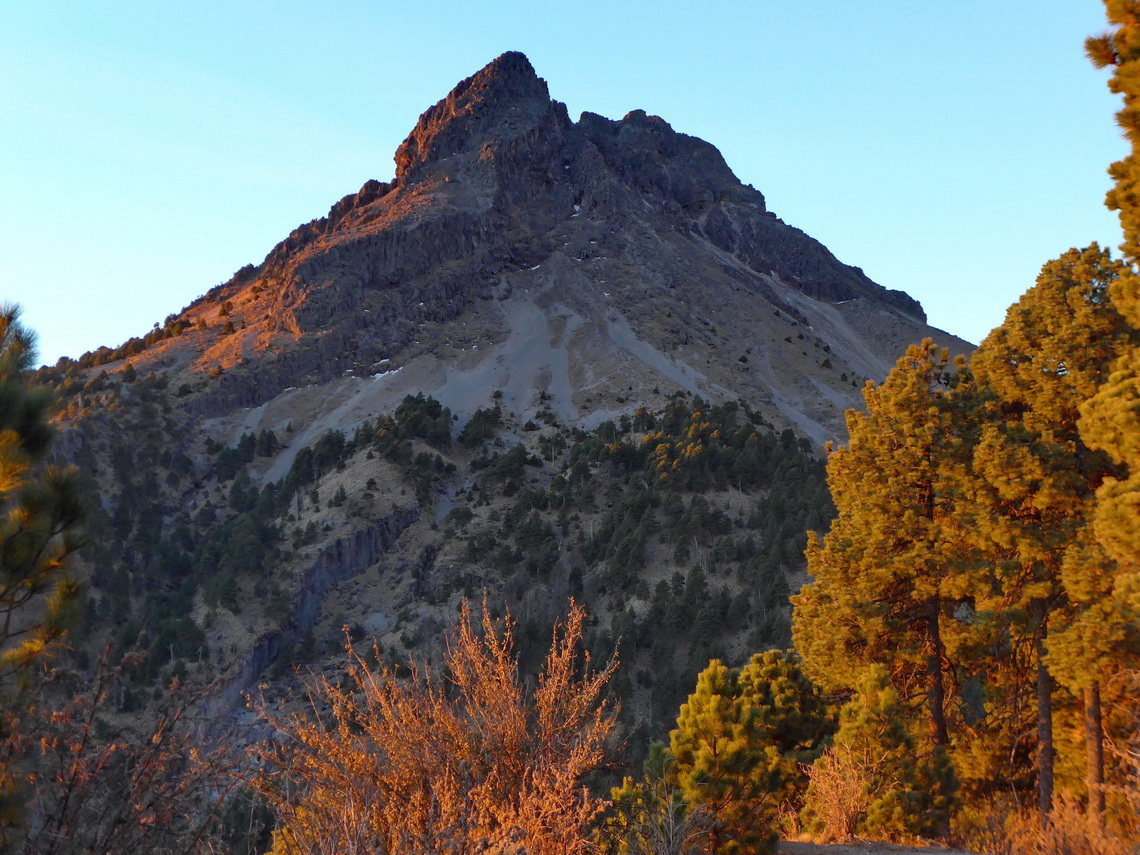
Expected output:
{"points": [[506, 216], [583, 284], [510, 70], [500, 100]]}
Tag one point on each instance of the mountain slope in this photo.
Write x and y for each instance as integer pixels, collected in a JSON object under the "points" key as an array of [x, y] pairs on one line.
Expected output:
{"points": [[518, 248], [548, 358]]}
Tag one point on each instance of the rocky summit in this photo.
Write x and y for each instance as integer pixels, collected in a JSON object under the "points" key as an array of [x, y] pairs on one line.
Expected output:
{"points": [[547, 359], [518, 250]]}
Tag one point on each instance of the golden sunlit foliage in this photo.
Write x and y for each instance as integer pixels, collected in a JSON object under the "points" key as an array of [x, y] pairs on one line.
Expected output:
{"points": [[1030, 495], [884, 586], [404, 763], [39, 514], [962, 558], [1111, 419]]}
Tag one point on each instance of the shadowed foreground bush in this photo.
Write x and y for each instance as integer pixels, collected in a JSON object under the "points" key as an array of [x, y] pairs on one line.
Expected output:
{"points": [[155, 785], [473, 764]]}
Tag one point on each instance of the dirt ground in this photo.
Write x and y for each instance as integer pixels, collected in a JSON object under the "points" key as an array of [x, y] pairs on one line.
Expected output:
{"points": [[860, 848]]}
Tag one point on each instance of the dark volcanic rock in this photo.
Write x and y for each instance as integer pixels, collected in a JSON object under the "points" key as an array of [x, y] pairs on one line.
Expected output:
{"points": [[338, 561], [488, 182], [645, 153], [497, 104]]}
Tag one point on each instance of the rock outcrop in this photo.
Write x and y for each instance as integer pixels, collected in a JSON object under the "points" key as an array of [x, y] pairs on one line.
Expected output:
{"points": [[336, 561], [494, 181]]}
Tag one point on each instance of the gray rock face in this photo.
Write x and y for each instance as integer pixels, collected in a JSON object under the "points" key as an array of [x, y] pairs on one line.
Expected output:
{"points": [[646, 154], [496, 179], [503, 101], [339, 560]]}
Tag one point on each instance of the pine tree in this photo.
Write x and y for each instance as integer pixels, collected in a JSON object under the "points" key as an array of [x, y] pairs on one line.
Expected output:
{"points": [[39, 515], [884, 587], [1111, 419], [39, 511], [1035, 480], [651, 816], [739, 744], [898, 792]]}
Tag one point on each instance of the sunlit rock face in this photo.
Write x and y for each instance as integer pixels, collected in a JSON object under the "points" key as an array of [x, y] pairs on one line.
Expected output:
{"points": [[644, 259]]}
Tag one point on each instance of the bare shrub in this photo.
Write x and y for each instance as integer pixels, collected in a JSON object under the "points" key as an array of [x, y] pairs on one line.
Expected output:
{"points": [[1068, 831], [153, 786], [652, 818], [838, 794], [1125, 750], [394, 764]]}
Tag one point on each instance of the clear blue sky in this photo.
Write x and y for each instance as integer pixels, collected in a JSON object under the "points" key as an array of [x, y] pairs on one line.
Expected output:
{"points": [[149, 149]]}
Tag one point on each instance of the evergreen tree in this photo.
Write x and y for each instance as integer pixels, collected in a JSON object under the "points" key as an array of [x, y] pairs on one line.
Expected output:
{"points": [[651, 816], [39, 515], [739, 744], [1034, 479], [884, 588], [1111, 419], [39, 511], [900, 793]]}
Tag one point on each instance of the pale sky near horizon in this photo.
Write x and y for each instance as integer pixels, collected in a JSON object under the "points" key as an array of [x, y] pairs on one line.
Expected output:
{"points": [[150, 149]]}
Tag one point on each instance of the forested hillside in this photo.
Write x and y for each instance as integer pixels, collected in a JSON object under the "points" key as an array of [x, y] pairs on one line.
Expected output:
{"points": [[671, 628], [689, 522]]}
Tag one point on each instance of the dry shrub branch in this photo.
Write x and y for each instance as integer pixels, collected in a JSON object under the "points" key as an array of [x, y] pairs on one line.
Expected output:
{"points": [[155, 784], [1125, 750], [839, 792], [1068, 830], [394, 764]]}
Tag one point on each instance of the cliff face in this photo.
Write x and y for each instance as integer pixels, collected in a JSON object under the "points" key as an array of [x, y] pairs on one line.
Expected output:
{"points": [[338, 561], [503, 102], [498, 193]]}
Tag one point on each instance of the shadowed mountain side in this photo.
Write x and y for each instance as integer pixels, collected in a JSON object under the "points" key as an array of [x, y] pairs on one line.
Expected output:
{"points": [[651, 265]]}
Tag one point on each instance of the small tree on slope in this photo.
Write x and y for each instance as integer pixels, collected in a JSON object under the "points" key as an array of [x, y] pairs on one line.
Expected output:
{"points": [[896, 792], [739, 746]]}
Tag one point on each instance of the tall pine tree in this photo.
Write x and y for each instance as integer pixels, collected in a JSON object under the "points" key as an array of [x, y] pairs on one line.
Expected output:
{"points": [[1035, 480], [1111, 419], [885, 587]]}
